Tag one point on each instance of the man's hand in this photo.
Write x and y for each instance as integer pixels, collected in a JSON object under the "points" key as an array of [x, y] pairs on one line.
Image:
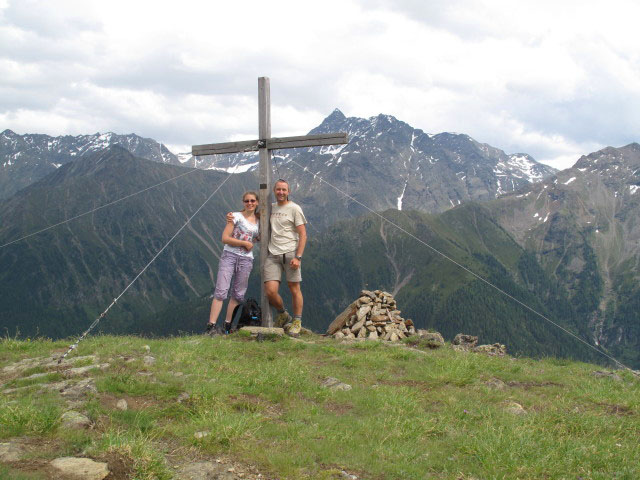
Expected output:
{"points": [[230, 217], [294, 264]]}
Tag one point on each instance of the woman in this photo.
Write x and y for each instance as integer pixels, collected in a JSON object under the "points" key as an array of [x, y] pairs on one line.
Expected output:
{"points": [[236, 261]]}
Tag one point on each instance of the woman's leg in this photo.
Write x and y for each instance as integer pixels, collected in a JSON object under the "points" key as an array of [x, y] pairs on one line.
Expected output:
{"points": [[223, 281], [239, 284], [216, 307], [232, 304]]}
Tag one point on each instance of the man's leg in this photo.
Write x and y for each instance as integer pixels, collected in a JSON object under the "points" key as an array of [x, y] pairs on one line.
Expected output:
{"points": [[296, 297], [271, 289]]}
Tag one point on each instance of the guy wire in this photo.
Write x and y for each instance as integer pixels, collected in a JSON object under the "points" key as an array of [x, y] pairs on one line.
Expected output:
{"points": [[465, 268], [97, 320], [97, 208]]}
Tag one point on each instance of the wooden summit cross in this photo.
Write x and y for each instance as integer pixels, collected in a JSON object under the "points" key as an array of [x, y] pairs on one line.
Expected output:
{"points": [[264, 145]]}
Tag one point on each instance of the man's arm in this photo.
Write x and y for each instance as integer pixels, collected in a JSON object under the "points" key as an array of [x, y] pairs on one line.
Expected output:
{"points": [[302, 241]]}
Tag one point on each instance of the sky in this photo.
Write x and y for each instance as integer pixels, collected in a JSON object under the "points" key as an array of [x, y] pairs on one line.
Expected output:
{"points": [[554, 79]]}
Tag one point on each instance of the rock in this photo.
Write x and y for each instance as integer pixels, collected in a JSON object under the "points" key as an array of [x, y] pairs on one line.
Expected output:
{"points": [[149, 360], [496, 384], [612, 375], [362, 333], [368, 293], [338, 335], [204, 471], [122, 404], [146, 348], [363, 312], [356, 328], [432, 339], [80, 468], [373, 335], [467, 342], [494, 350], [334, 384], [341, 320], [70, 389], [184, 396], [515, 408], [393, 337], [36, 375], [365, 299], [371, 328], [255, 331], [348, 475], [201, 435], [10, 452], [75, 420], [72, 372]]}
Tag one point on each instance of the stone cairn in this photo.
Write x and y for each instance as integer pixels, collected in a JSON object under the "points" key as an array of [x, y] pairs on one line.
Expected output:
{"points": [[374, 316]]}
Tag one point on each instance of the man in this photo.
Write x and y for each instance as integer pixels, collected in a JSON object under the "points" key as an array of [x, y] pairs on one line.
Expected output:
{"points": [[286, 246]]}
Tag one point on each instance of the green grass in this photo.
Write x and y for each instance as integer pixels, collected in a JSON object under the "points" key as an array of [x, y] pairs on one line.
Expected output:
{"points": [[410, 414]]}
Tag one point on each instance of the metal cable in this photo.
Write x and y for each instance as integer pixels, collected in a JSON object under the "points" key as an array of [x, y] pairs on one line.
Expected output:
{"points": [[464, 268], [98, 208], [97, 320]]}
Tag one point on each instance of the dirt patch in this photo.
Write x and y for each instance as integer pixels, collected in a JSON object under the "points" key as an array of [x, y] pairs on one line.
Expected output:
{"points": [[133, 403], [529, 385], [121, 467], [181, 458], [32, 467], [250, 402], [338, 408], [619, 410], [419, 384]]}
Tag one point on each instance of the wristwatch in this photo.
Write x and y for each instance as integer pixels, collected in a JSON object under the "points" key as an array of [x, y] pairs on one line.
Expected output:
{"points": [[299, 257]]}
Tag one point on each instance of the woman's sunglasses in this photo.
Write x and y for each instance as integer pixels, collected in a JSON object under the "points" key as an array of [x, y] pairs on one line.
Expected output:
{"points": [[249, 201]]}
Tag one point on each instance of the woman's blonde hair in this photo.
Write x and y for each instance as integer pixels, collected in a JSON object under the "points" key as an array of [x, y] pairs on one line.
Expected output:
{"points": [[251, 192]]}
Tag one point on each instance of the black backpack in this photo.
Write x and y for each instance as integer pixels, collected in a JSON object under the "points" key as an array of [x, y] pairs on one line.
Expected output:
{"points": [[250, 314]]}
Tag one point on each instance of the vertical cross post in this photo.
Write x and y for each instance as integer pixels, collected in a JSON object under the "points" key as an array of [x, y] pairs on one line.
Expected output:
{"points": [[264, 145], [264, 194]]}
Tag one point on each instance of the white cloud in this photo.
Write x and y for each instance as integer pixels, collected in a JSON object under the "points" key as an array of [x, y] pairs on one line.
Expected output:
{"points": [[553, 79]]}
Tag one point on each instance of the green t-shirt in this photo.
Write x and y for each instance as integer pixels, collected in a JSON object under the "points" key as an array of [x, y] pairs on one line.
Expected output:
{"points": [[284, 220]]}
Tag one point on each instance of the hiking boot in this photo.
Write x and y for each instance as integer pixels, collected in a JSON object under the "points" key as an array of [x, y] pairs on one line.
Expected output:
{"points": [[211, 329], [227, 328], [294, 328], [283, 319]]}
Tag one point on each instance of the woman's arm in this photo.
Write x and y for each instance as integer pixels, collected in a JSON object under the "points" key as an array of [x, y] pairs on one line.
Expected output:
{"points": [[234, 242]]}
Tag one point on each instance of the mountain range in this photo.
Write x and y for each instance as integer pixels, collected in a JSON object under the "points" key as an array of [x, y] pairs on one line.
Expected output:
{"points": [[565, 243], [25, 159]]}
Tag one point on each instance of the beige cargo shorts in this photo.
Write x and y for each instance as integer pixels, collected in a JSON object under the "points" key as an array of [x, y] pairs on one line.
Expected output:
{"points": [[276, 264]]}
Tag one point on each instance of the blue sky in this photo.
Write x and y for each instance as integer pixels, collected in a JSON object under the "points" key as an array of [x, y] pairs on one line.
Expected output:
{"points": [[555, 79]]}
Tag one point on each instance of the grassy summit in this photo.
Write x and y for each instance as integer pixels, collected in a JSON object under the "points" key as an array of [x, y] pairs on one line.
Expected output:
{"points": [[261, 411]]}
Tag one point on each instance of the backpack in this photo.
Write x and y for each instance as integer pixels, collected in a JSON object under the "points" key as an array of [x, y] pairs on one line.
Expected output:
{"points": [[250, 314]]}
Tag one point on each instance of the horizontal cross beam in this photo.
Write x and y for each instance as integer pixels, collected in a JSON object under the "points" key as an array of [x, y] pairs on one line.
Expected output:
{"points": [[270, 144]]}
